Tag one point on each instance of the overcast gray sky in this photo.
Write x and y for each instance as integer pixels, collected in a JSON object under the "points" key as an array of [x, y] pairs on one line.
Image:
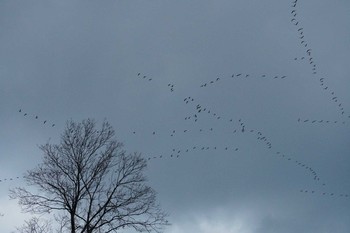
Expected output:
{"points": [[268, 81]]}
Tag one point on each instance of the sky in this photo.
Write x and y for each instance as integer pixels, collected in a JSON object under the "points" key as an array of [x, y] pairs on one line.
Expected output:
{"points": [[241, 107]]}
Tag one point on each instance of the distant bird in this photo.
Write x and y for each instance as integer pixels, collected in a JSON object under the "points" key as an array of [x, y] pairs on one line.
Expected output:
{"points": [[53, 125], [25, 114], [20, 110], [154, 133], [36, 117], [138, 74], [44, 122]]}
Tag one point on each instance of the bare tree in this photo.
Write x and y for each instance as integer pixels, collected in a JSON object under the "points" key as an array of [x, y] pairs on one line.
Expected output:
{"points": [[91, 180], [35, 225]]}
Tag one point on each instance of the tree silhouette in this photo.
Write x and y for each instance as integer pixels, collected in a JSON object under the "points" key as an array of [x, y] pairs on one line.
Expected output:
{"points": [[89, 179], [35, 225]]}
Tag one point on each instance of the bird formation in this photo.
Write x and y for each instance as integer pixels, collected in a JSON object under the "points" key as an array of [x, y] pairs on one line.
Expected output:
{"points": [[171, 86], [10, 179], [301, 35], [329, 194], [177, 153], [36, 118], [300, 164], [143, 77], [174, 132], [199, 110], [240, 127], [309, 57], [320, 121], [268, 143], [241, 75]]}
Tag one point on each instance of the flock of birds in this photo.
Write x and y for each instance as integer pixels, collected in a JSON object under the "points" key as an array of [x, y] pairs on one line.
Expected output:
{"points": [[308, 57], [237, 126], [200, 109], [36, 117], [241, 75]]}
